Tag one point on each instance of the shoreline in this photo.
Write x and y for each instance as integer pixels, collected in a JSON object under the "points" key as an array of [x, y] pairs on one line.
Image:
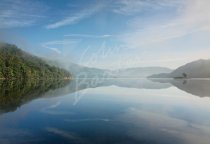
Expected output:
{"points": [[37, 79]]}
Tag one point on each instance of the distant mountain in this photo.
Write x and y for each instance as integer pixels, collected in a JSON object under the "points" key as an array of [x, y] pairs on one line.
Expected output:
{"points": [[88, 72], [196, 69], [80, 71], [141, 72], [160, 75], [17, 64]]}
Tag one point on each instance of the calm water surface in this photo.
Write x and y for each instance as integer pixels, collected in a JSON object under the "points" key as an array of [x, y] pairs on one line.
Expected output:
{"points": [[110, 111]]}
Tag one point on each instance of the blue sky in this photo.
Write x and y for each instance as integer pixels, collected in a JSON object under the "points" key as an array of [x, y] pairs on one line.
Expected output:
{"points": [[109, 33]]}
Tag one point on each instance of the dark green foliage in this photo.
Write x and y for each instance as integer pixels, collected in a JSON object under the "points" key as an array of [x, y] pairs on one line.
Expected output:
{"points": [[14, 93], [17, 64]]}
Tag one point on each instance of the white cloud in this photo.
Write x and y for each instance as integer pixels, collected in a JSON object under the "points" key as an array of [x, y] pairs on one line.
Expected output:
{"points": [[170, 39], [20, 13], [130, 7], [192, 16], [73, 19], [88, 119], [48, 45], [66, 134], [54, 105], [58, 44], [87, 36], [160, 123]]}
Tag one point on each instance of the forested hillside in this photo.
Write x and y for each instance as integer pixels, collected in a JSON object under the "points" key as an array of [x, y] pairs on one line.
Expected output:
{"points": [[17, 64]]}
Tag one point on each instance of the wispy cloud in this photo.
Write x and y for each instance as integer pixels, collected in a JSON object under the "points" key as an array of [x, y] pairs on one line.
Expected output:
{"points": [[87, 36], [77, 17], [62, 133], [88, 119], [20, 13], [169, 39], [54, 105], [192, 16], [51, 110], [129, 7], [58, 44], [66, 134]]}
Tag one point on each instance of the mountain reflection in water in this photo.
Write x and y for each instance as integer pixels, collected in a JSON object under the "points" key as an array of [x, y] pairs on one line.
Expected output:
{"points": [[15, 93], [197, 87], [92, 111]]}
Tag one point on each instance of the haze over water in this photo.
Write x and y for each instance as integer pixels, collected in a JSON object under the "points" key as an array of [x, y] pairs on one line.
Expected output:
{"points": [[104, 72], [111, 111]]}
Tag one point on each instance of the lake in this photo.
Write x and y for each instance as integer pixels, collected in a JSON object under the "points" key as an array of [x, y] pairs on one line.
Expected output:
{"points": [[106, 111]]}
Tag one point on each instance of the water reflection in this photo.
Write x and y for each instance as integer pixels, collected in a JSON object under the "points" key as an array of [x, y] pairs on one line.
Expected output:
{"points": [[197, 87], [127, 111], [15, 93], [159, 128]]}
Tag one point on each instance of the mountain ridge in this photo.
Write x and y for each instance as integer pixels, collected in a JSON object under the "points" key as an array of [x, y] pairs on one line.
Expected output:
{"points": [[196, 69], [18, 64]]}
